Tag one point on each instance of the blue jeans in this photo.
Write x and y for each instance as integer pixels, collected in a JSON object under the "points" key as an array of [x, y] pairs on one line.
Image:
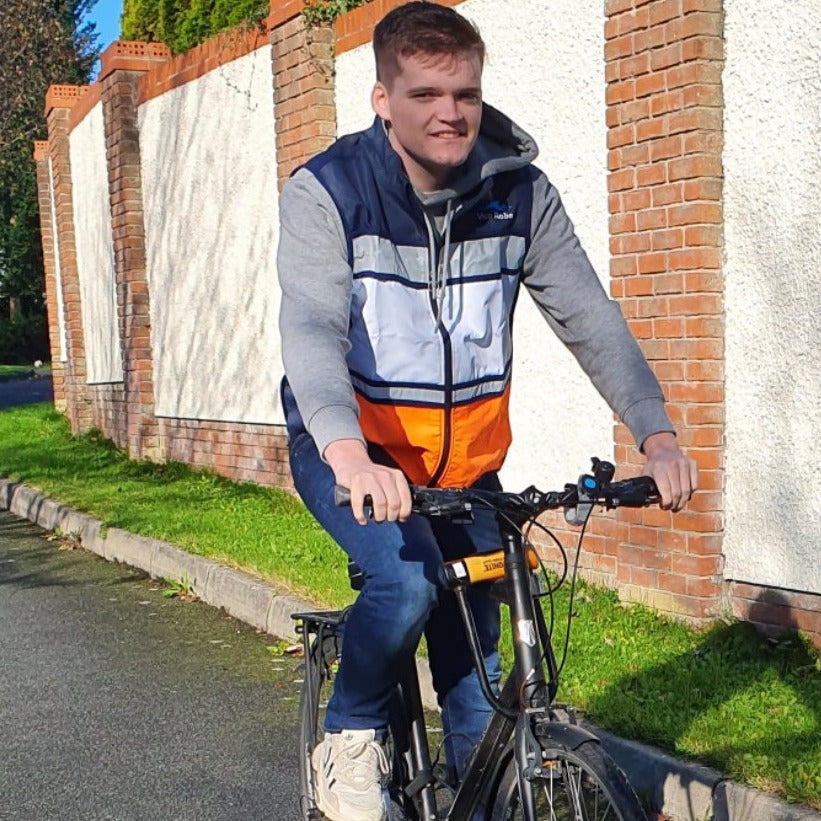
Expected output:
{"points": [[403, 596]]}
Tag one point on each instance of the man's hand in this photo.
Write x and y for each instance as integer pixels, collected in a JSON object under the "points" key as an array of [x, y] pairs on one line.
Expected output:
{"points": [[676, 475], [386, 486]]}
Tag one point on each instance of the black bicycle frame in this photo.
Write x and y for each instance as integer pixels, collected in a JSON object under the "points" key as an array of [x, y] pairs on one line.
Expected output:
{"points": [[525, 695]]}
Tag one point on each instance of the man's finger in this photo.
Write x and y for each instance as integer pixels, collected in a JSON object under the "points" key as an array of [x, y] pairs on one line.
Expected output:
{"points": [[405, 500], [662, 481], [357, 500], [693, 475], [380, 504]]}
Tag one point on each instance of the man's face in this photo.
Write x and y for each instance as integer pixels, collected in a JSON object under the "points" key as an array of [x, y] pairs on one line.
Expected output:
{"points": [[434, 105]]}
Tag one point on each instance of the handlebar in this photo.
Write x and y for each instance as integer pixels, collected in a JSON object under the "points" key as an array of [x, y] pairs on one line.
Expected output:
{"points": [[577, 500]]}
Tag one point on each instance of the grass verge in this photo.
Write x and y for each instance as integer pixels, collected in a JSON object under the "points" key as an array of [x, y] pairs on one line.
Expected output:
{"points": [[20, 371], [14, 371], [749, 706]]}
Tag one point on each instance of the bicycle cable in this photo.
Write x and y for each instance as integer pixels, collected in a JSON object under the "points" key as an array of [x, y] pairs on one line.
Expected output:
{"points": [[573, 579]]}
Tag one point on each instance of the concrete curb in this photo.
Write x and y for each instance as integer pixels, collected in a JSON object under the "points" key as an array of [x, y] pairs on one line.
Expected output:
{"points": [[686, 791], [246, 597]]}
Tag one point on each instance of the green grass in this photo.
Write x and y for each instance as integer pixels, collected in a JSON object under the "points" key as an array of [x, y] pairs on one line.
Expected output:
{"points": [[15, 371], [749, 706], [10, 371], [260, 529]]}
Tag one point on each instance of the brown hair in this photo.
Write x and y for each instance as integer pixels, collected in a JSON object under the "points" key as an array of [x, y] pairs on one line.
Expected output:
{"points": [[420, 27]]}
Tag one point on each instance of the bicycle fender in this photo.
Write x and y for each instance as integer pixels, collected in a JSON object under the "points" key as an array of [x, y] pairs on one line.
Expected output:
{"points": [[557, 734]]}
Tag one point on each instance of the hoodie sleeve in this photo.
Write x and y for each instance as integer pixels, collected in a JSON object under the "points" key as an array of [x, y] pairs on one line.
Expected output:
{"points": [[561, 280], [316, 282]]}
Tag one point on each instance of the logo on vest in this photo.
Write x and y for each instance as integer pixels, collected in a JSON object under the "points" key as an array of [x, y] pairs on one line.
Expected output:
{"points": [[495, 210]]}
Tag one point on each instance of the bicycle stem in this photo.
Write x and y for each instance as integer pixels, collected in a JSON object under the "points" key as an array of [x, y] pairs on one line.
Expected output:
{"points": [[526, 653]]}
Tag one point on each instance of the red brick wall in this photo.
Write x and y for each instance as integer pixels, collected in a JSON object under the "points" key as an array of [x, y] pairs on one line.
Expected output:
{"points": [[663, 64], [242, 452], [60, 99], [773, 610], [121, 67], [50, 269], [305, 111], [132, 73]]}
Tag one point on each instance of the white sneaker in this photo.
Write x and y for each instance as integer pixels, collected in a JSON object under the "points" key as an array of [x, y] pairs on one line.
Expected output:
{"points": [[349, 768]]}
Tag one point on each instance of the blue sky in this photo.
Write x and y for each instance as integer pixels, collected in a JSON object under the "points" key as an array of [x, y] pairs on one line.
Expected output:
{"points": [[106, 17]]}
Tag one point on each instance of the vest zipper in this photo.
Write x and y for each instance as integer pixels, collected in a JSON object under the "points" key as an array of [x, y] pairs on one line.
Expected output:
{"points": [[448, 368], [447, 407]]}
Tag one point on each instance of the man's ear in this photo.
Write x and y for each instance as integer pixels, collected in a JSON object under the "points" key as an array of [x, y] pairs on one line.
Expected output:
{"points": [[379, 101]]}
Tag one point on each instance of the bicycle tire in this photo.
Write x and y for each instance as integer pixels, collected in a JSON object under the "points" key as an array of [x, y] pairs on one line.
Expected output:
{"points": [[583, 784], [316, 689]]}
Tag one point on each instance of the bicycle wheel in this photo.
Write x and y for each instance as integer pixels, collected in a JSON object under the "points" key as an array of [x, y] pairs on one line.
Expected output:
{"points": [[584, 784], [320, 665]]}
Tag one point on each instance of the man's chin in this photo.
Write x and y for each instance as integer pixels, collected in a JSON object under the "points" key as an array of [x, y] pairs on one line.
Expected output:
{"points": [[448, 162]]}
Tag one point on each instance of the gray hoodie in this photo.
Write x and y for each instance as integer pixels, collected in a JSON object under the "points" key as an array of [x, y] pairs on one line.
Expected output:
{"points": [[318, 313]]}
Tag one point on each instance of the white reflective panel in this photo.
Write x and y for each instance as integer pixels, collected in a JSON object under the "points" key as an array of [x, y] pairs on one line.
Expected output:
{"points": [[393, 334], [372, 253], [469, 259], [476, 315], [479, 257]]}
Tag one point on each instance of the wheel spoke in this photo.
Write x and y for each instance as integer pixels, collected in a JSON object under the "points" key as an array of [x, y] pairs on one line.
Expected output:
{"points": [[575, 785]]}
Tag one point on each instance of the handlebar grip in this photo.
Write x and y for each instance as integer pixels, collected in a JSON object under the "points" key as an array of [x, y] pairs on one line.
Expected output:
{"points": [[342, 498], [636, 492]]}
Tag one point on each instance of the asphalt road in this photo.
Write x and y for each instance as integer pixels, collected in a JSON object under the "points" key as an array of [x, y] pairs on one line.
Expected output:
{"points": [[117, 702], [25, 391]]}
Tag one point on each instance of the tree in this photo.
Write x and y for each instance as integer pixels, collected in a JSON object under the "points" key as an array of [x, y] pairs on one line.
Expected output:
{"points": [[183, 24], [44, 42], [140, 20]]}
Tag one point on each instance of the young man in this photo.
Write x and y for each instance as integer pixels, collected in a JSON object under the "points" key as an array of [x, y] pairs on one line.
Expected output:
{"points": [[401, 251]]}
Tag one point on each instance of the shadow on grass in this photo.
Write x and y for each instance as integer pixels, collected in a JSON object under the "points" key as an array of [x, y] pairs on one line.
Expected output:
{"points": [[723, 689]]}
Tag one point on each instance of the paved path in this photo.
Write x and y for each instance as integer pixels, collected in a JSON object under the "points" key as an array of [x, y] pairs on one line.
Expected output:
{"points": [[119, 703], [25, 391]]}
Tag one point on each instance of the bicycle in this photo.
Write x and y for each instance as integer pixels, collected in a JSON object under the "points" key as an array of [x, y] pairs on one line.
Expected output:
{"points": [[530, 763]]}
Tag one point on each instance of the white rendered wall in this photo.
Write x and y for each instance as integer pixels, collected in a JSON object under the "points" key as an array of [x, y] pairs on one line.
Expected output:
{"points": [[772, 168], [95, 249], [211, 217], [545, 70]]}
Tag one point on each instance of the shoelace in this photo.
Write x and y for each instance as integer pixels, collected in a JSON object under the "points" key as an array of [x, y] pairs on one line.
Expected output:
{"points": [[356, 765]]}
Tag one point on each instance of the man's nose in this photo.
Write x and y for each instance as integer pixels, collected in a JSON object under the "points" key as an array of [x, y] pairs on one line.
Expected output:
{"points": [[448, 110]]}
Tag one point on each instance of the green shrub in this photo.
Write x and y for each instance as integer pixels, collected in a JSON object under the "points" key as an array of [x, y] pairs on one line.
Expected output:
{"points": [[183, 24], [317, 12], [23, 339]]}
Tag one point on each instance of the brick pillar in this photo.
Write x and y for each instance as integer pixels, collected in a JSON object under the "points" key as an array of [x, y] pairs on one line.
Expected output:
{"points": [[303, 70], [121, 66], [54, 298], [664, 61], [60, 99]]}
